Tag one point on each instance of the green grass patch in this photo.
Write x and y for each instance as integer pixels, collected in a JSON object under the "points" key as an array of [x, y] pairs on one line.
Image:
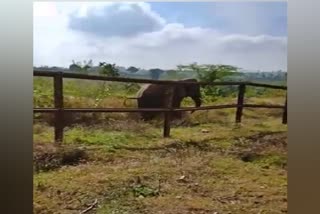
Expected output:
{"points": [[197, 170]]}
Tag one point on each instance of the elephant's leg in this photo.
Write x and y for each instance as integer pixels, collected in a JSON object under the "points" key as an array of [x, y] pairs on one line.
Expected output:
{"points": [[177, 104], [147, 103], [146, 116], [142, 104]]}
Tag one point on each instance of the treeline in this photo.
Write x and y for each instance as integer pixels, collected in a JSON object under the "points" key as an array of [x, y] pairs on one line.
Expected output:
{"points": [[202, 72], [182, 71]]}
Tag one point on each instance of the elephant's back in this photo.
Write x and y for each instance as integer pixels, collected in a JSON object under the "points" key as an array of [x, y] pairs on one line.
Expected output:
{"points": [[151, 90]]}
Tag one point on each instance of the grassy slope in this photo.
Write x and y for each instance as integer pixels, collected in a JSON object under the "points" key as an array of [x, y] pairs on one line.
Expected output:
{"points": [[208, 165]]}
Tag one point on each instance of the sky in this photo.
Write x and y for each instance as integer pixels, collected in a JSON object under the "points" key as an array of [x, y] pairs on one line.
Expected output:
{"points": [[249, 35]]}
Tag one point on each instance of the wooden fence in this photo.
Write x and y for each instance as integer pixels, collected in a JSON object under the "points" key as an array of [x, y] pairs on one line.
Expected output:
{"points": [[59, 109]]}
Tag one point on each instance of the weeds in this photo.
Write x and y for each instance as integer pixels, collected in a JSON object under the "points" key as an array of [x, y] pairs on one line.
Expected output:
{"points": [[209, 165]]}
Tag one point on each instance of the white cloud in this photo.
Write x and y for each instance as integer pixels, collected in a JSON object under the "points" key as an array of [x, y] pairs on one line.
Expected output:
{"points": [[172, 44], [117, 19]]}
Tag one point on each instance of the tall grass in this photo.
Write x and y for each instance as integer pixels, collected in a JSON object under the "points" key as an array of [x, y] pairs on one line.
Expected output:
{"points": [[99, 94]]}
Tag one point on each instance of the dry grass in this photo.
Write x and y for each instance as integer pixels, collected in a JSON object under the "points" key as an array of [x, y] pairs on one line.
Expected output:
{"points": [[209, 165]]}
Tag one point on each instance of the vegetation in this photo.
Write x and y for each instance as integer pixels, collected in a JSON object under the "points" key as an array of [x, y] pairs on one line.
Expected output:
{"points": [[209, 165], [210, 73], [278, 77], [133, 69], [81, 67], [155, 73], [212, 167], [108, 69]]}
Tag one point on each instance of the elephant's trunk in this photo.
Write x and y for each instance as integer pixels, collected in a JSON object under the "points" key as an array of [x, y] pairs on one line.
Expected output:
{"points": [[197, 101]]}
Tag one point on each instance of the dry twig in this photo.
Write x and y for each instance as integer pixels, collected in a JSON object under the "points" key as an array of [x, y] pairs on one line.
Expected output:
{"points": [[91, 207]]}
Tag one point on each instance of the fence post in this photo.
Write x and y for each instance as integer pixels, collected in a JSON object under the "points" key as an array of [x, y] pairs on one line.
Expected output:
{"points": [[167, 115], [242, 89], [58, 103], [285, 113]]}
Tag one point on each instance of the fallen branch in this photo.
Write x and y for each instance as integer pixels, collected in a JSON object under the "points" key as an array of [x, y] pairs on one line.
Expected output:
{"points": [[90, 208]]}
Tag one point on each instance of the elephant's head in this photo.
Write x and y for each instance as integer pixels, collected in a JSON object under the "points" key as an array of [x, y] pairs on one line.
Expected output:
{"points": [[192, 91]]}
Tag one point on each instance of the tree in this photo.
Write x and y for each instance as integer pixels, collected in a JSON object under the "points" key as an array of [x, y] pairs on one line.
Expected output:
{"points": [[87, 65], [133, 69], [155, 73], [81, 67], [108, 69], [74, 67], [210, 73]]}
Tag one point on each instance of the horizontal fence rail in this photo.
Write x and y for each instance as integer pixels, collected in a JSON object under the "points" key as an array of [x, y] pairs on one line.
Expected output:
{"points": [[123, 110], [59, 109]]}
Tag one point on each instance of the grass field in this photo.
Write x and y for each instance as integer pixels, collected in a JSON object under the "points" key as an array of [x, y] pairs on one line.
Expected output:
{"points": [[209, 165]]}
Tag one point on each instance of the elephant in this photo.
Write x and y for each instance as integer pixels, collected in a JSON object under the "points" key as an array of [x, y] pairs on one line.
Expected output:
{"points": [[157, 96]]}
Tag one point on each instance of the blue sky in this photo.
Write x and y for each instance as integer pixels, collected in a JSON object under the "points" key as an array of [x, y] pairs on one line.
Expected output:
{"points": [[250, 35], [271, 16]]}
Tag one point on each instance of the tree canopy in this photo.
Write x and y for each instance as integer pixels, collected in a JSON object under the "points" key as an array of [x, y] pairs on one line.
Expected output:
{"points": [[133, 69], [155, 73], [108, 69]]}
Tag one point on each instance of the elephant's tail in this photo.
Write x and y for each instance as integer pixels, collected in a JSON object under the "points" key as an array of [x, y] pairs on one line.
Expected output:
{"points": [[129, 98]]}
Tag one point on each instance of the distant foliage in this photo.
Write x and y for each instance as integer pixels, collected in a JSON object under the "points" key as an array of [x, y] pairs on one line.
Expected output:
{"points": [[155, 73], [109, 70], [98, 91], [81, 67], [176, 74], [133, 69], [172, 74], [212, 73], [274, 76]]}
